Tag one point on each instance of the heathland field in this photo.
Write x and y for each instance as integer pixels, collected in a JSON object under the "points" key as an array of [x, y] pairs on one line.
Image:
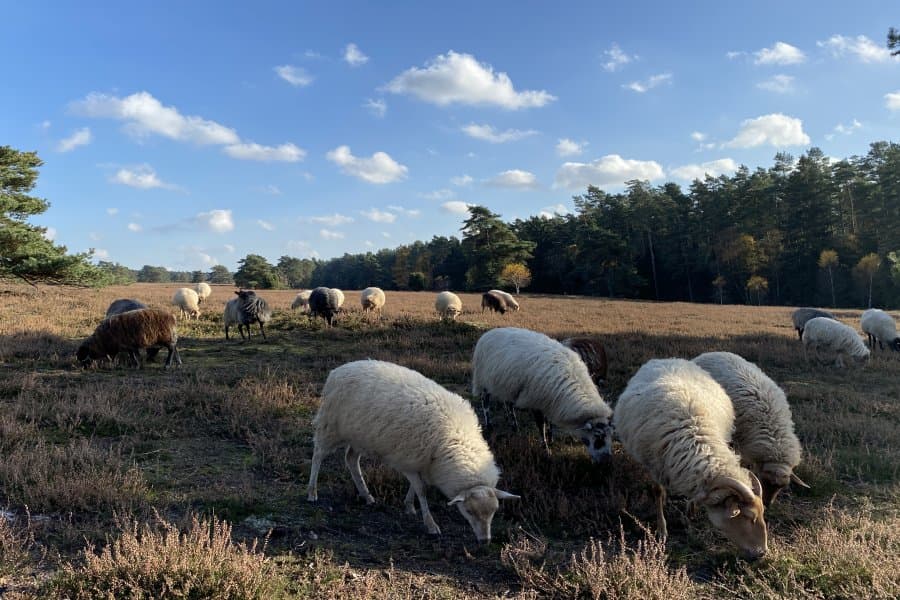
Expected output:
{"points": [[122, 483]]}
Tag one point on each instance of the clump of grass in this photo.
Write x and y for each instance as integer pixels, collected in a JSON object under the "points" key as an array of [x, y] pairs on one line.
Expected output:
{"points": [[159, 561], [16, 546]]}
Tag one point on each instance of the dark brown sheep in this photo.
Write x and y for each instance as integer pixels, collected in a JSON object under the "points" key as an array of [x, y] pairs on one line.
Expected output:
{"points": [[592, 353], [130, 332], [494, 302]]}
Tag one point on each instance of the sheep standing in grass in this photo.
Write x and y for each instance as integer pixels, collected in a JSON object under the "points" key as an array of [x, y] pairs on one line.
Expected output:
{"points": [[880, 327], [531, 371], [246, 309], [325, 302], [493, 302], [372, 299], [511, 303], [203, 291], [340, 298], [117, 307], [839, 342], [592, 353], [802, 315], [188, 301], [676, 421], [301, 301], [448, 305], [763, 427], [130, 332], [415, 426]]}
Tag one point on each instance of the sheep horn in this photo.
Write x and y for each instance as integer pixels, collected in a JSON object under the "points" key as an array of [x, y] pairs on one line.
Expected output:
{"points": [[742, 489], [798, 481]]}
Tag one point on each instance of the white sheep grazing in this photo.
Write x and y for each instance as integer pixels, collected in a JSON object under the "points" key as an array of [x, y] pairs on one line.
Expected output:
{"points": [[203, 291], [417, 427], [448, 305], [676, 421], [340, 297], [188, 301], [880, 327], [531, 371], [510, 301], [301, 301], [372, 299], [763, 427], [839, 342]]}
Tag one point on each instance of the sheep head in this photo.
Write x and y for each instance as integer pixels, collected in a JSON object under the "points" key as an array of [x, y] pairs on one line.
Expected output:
{"points": [[478, 505], [774, 478], [737, 511], [596, 435]]}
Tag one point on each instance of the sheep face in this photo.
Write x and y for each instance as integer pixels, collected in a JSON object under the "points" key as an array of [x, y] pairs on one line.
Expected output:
{"points": [[597, 437], [737, 512], [478, 505], [87, 353], [895, 345]]}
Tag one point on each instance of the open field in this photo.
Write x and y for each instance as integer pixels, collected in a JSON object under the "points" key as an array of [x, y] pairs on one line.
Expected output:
{"points": [[95, 455]]}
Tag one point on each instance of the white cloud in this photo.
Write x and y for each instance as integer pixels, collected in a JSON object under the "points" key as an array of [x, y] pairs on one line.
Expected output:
{"points": [[487, 133], [45, 124], [455, 207], [135, 227], [50, 233], [385, 234], [780, 84], [250, 151], [514, 178], [101, 253], [567, 147], [776, 130], [892, 100], [459, 78], [228, 248], [714, 168], [844, 129], [462, 180], [112, 211], [327, 234], [609, 170], [779, 54], [330, 220], [698, 136], [648, 84], [379, 216], [379, 168], [265, 225], [217, 220], [616, 58], [409, 212], [353, 56], [376, 107], [296, 76], [549, 212], [271, 189], [735, 54], [142, 177], [860, 47], [441, 194], [144, 115], [82, 137]]}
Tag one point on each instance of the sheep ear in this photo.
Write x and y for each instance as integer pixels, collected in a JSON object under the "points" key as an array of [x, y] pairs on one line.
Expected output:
{"points": [[798, 481], [459, 498], [501, 495], [734, 509]]}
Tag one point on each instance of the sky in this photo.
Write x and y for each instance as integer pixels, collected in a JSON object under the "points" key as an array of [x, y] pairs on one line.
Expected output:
{"points": [[188, 134]]}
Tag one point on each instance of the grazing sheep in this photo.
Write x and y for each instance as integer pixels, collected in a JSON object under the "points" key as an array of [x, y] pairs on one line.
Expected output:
{"points": [[802, 315], [325, 302], [130, 332], [676, 421], [763, 427], [494, 302], [529, 370], [203, 291], [415, 426], [301, 301], [839, 342], [592, 353], [372, 299], [246, 309], [448, 305], [340, 298], [511, 302], [188, 301], [880, 327], [117, 307]]}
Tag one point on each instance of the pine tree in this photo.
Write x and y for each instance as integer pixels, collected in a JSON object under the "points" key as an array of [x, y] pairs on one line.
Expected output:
{"points": [[489, 244]]}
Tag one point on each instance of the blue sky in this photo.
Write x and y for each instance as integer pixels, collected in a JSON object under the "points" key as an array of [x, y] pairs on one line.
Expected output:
{"points": [[189, 134]]}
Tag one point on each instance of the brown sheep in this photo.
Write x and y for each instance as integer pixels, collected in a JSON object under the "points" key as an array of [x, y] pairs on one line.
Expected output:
{"points": [[592, 353], [130, 332], [493, 301]]}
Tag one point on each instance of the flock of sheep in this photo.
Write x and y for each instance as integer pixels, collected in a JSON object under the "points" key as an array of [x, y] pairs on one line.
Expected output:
{"points": [[715, 429]]}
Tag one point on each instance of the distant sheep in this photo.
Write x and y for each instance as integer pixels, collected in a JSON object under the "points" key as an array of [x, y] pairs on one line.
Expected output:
{"points": [[531, 371], [763, 426], [372, 299], [676, 421], [880, 327], [188, 301], [130, 332], [493, 302], [592, 353], [511, 302], [448, 305], [802, 315], [117, 307], [325, 302], [839, 342], [301, 301], [415, 426], [203, 291], [246, 309]]}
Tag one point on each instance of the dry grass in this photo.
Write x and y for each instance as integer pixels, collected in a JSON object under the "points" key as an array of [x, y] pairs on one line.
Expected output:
{"points": [[229, 435]]}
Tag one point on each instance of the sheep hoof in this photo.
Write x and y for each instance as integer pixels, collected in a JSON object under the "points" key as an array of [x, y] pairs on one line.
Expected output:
{"points": [[312, 497], [370, 499]]}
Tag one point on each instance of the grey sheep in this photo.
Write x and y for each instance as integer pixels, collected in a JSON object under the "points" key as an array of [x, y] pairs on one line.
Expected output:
{"points": [[494, 302], [802, 315], [325, 302], [246, 309], [123, 305]]}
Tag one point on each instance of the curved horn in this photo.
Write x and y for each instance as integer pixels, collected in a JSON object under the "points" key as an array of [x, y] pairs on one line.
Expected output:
{"points": [[755, 484], [798, 481], [741, 488]]}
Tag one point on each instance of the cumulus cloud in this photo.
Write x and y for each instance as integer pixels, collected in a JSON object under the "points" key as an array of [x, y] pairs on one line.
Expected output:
{"points": [[135, 227], [228, 248], [251, 151], [514, 178], [609, 170], [713, 168], [844, 129], [458, 78], [409, 212], [616, 58], [330, 220], [296, 76], [860, 47], [698, 136], [142, 177], [780, 84], [376, 107], [779, 54], [217, 220], [353, 56], [462, 180], [550, 212], [265, 225], [379, 216], [775, 130], [489, 134], [82, 137], [567, 147], [648, 84], [379, 168], [455, 207], [892, 100], [328, 234]]}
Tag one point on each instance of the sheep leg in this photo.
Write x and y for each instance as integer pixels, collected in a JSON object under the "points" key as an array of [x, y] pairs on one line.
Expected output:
{"points": [[351, 458], [312, 490], [661, 530], [486, 409], [418, 486], [262, 329], [136, 357], [542, 427], [410, 501]]}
